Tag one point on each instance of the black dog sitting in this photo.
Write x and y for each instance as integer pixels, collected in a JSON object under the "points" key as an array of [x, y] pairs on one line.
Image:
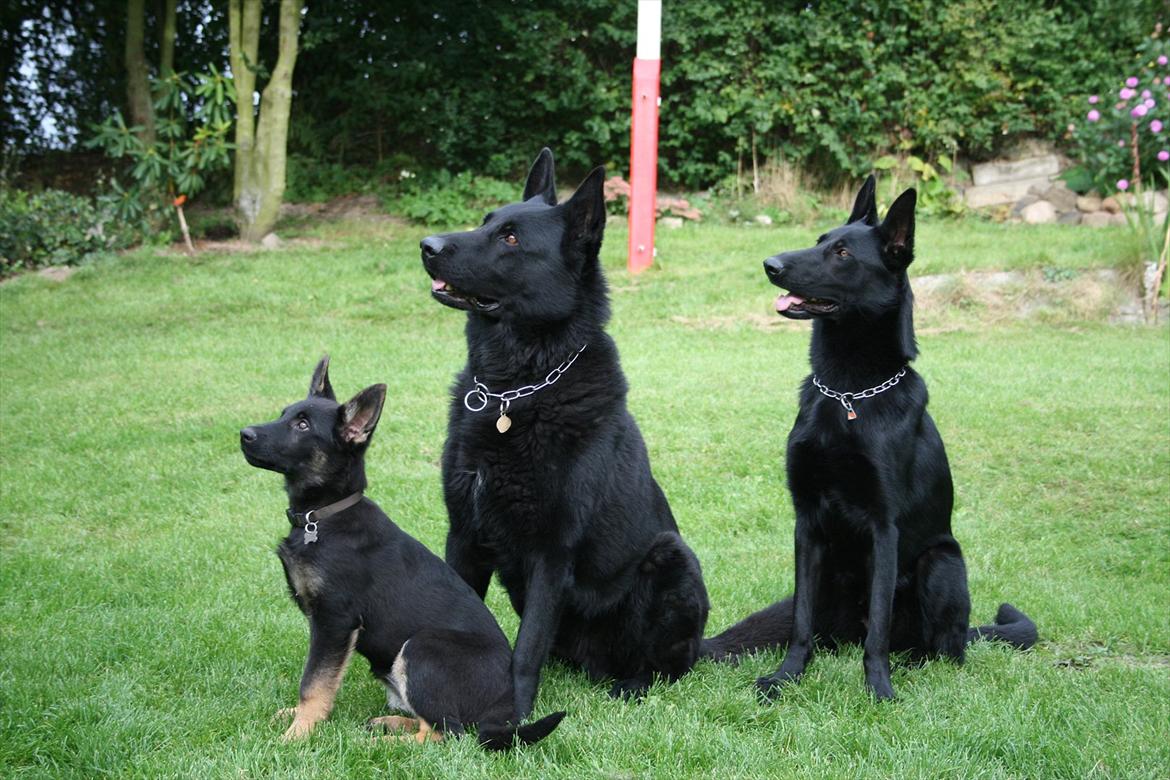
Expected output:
{"points": [[366, 585], [875, 558], [545, 473]]}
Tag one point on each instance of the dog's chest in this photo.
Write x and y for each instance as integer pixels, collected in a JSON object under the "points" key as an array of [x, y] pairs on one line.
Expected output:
{"points": [[831, 470], [302, 574]]}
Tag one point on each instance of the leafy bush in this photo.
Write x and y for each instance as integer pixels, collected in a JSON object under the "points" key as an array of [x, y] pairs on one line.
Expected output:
{"points": [[173, 167], [47, 228], [826, 86], [443, 198]]}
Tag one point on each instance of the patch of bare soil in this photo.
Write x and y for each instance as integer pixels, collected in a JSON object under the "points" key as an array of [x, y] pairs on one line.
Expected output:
{"points": [[964, 301]]}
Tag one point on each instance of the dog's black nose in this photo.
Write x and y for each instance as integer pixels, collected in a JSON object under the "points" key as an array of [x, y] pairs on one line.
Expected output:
{"points": [[431, 246], [247, 435], [774, 267]]}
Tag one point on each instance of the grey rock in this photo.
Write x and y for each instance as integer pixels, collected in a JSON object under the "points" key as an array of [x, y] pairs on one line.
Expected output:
{"points": [[1089, 203], [1039, 213]]}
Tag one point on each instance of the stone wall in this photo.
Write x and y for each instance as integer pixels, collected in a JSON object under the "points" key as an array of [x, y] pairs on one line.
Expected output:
{"points": [[1030, 191]]}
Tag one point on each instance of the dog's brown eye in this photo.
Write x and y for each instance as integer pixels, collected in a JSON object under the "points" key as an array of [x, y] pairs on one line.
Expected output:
{"points": [[842, 252], [510, 239], [302, 425]]}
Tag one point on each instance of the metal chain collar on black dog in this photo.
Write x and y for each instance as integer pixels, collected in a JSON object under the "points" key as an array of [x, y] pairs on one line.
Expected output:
{"points": [[847, 399], [309, 519], [477, 398]]}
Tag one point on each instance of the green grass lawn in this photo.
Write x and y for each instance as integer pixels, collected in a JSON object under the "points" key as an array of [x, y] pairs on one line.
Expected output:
{"points": [[145, 630]]}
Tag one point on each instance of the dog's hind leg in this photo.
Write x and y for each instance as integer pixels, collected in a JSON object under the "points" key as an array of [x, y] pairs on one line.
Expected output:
{"points": [[943, 602]]}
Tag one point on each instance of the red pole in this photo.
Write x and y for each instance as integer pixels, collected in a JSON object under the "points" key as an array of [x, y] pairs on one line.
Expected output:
{"points": [[644, 137]]}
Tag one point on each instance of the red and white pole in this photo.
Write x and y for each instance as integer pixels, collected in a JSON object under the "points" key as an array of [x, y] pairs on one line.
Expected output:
{"points": [[644, 135]]}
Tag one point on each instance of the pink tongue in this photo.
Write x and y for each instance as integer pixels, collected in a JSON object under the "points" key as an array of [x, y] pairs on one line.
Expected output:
{"points": [[784, 301], [437, 284]]}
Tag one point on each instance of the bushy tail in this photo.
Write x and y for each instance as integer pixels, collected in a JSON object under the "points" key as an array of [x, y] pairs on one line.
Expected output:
{"points": [[770, 627], [505, 737], [1011, 626]]}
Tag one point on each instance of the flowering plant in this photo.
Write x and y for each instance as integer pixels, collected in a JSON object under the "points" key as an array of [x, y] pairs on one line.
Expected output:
{"points": [[1124, 136], [1124, 146]]}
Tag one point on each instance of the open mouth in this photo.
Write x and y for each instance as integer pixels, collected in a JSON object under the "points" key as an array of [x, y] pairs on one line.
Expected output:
{"points": [[797, 307], [449, 296]]}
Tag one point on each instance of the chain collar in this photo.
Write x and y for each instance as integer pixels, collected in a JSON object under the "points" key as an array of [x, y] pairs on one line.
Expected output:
{"points": [[847, 399], [477, 399]]}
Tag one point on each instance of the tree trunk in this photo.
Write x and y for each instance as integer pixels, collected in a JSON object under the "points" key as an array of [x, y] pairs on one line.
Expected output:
{"points": [[261, 141], [137, 77], [166, 41]]}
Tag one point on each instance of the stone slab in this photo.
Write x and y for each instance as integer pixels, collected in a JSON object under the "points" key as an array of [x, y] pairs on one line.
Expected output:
{"points": [[999, 171], [1003, 192]]}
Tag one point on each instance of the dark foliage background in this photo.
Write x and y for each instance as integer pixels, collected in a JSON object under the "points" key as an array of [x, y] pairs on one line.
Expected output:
{"points": [[479, 85]]}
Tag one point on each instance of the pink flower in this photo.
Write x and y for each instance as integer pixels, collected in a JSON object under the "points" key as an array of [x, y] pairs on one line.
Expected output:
{"points": [[1093, 115], [1131, 81], [1162, 60], [1123, 184], [1145, 94], [1126, 93], [1155, 126], [1093, 98], [1121, 144], [1149, 103], [1139, 111], [1164, 155], [1166, 81]]}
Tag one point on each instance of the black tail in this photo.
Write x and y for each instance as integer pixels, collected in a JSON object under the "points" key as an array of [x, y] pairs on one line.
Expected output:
{"points": [[772, 627], [1011, 626], [504, 737]]}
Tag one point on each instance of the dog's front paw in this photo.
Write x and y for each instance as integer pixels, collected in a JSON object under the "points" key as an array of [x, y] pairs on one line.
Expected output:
{"points": [[284, 713], [770, 687], [299, 729], [881, 689]]}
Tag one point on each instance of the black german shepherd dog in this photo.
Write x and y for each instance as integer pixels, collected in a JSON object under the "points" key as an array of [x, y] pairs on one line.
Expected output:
{"points": [[366, 585], [875, 558], [545, 473]]}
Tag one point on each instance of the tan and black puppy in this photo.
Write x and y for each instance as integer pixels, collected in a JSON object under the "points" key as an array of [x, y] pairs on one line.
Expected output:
{"points": [[366, 585]]}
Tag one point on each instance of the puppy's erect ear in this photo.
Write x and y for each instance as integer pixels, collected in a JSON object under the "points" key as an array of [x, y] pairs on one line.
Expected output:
{"points": [[864, 206], [359, 416], [542, 179], [319, 386], [586, 209], [897, 231]]}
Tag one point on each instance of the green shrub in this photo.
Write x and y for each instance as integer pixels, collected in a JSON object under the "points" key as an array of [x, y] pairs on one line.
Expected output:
{"points": [[829, 87], [48, 228], [443, 198]]}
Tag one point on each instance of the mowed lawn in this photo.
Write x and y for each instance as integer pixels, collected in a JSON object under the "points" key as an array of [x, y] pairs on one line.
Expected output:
{"points": [[145, 630]]}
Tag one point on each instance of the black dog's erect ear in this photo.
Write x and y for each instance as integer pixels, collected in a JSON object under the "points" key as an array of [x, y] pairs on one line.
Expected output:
{"points": [[897, 230], [587, 207], [319, 387], [865, 206], [542, 179], [360, 415]]}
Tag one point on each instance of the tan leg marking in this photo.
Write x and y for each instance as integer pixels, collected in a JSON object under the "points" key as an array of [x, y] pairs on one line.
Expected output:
{"points": [[396, 723], [317, 702], [425, 733], [284, 713]]}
